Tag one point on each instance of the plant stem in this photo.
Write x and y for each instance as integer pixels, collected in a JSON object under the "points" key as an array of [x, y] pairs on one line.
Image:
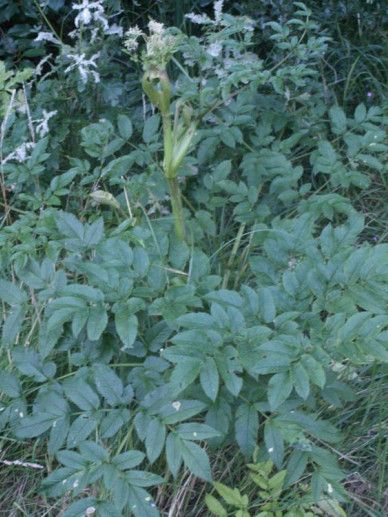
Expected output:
{"points": [[229, 265], [177, 207]]}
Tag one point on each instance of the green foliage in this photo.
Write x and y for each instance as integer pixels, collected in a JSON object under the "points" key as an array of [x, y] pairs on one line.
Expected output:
{"points": [[268, 497], [126, 343]]}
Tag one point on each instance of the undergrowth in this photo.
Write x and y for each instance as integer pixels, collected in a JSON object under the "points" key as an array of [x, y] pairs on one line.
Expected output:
{"points": [[194, 260]]}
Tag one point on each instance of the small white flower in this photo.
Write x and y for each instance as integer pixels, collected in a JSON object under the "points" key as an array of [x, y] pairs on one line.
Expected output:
{"points": [[214, 49], [76, 483], [176, 405], [218, 10], [90, 510], [270, 450], [156, 27], [115, 30], [330, 489], [88, 12], [200, 19], [21, 414], [42, 128], [46, 36]]}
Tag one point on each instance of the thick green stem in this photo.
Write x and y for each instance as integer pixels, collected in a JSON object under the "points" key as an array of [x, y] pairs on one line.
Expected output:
{"points": [[177, 207], [168, 145]]}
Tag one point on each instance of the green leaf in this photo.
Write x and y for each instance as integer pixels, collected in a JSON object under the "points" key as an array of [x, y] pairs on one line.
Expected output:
{"points": [[126, 326], [301, 380], [124, 125], [185, 373], [79, 392], [279, 389], [92, 451], [80, 429], [360, 113], [141, 503], [155, 438], [35, 425], [181, 410], [12, 325], [195, 459], [9, 384], [315, 370], [97, 322], [231, 496], [338, 120], [173, 453], [274, 443], [11, 294], [196, 320], [267, 305], [209, 378], [150, 129], [225, 296], [296, 466], [113, 421], [215, 507], [108, 384], [79, 507], [196, 431], [246, 428], [128, 460]]}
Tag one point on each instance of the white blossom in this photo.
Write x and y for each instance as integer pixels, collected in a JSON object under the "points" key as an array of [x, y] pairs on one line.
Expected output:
{"points": [[46, 36], [90, 510], [214, 49], [156, 27], [20, 154], [42, 128], [115, 30], [88, 12], [84, 66], [200, 19], [218, 10]]}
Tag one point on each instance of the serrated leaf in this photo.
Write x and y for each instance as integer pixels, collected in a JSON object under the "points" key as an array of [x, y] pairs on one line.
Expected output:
{"points": [[79, 392], [209, 378], [155, 438], [173, 454], [185, 373], [11, 294], [124, 125], [9, 384], [80, 429], [195, 459], [128, 460], [215, 507], [126, 326], [35, 425], [195, 431], [315, 370], [267, 305], [231, 496], [108, 384], [301, 380], [97, 322], [279, 389], [246, 428], [141, 503], [274, 443]]}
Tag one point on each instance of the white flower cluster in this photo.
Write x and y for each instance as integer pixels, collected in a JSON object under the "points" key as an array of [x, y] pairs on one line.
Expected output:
{"points": [[20, 154], [42, 127], [92, 16], [159, 44], [86, 67], [203, 19]]}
